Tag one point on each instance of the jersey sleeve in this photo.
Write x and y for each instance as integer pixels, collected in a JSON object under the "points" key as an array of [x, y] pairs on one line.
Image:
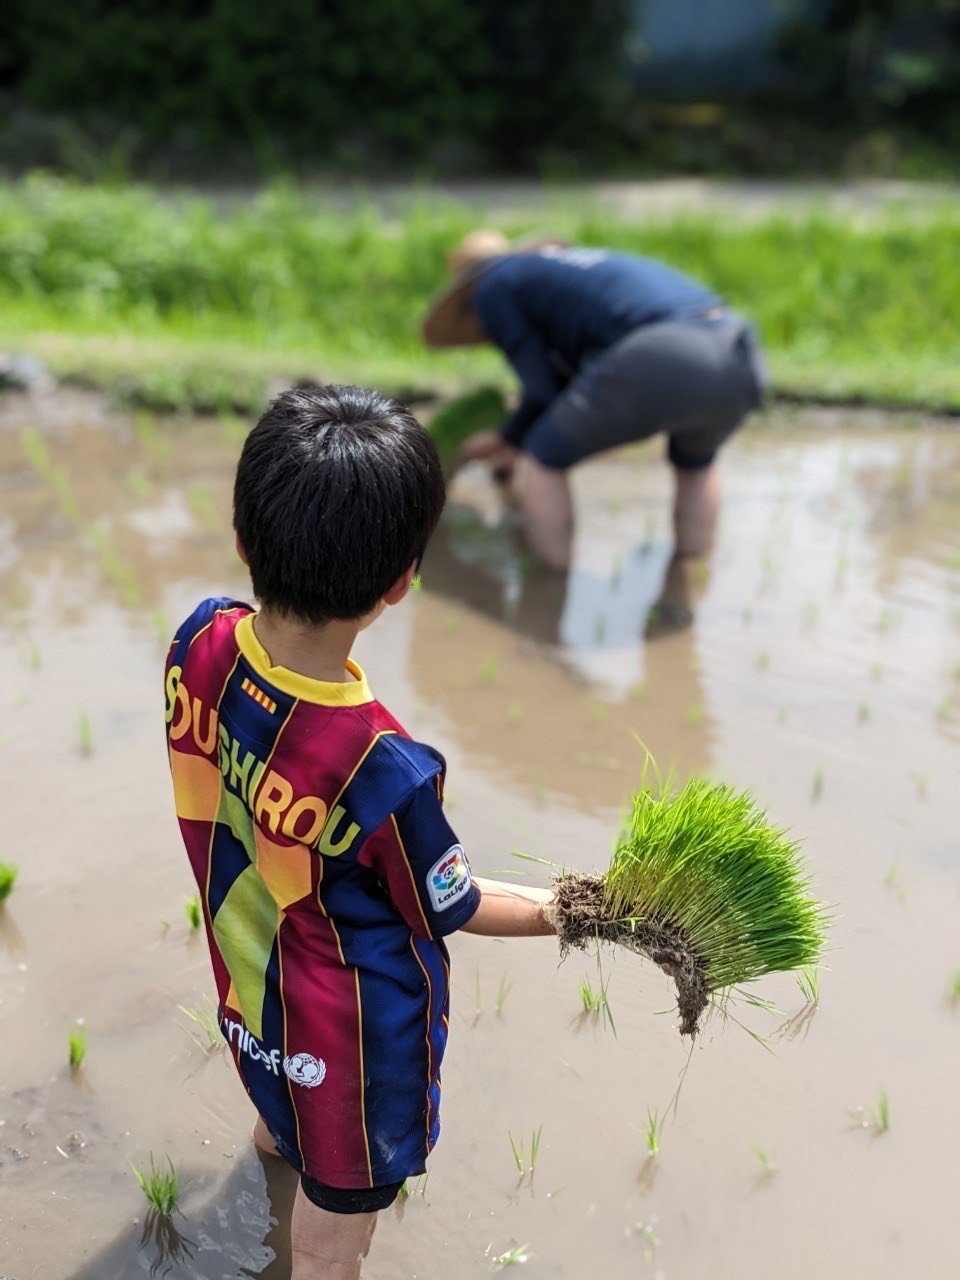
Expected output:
{"points": [[424, 866]]}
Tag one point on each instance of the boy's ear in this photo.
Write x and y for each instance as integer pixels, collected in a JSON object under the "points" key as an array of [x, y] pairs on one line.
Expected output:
{"points": [[401, 586], [240, 551]]}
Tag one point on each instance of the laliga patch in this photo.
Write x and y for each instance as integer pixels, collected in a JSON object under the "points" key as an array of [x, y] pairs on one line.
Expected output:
{"points": [[449, 878]]}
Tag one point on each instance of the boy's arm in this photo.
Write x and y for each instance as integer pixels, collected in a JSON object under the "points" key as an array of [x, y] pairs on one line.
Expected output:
{"points": [[510, 911]]}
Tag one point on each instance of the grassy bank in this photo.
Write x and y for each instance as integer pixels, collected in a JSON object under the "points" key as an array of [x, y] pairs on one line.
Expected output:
{"points": [[177, 305]]}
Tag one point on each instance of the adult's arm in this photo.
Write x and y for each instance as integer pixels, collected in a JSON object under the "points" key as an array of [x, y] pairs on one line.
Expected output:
{"points": [[510, 911], [506, 326]]}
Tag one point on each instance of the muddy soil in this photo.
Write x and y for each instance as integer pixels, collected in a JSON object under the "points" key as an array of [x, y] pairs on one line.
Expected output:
{"points": [[814, 660]]}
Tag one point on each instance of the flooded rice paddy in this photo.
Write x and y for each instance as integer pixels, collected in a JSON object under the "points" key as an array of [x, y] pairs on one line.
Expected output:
{"points": [[820, 669]]}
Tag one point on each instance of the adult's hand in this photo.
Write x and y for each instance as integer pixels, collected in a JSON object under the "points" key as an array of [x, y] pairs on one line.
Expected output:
{"points": [[490, 448]]}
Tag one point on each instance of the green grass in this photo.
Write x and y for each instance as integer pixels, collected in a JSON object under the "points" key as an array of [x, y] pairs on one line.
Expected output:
{"points": [[707, 860], [652, 1129], [76, 1046], [160, 1186], [8, 876], [177, 303], [193, 911]]}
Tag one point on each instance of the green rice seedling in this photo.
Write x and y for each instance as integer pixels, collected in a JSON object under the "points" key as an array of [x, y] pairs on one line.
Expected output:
{"points": [[84, 734], [808, 980], [893, 880], [509, 1257], [647, 1233], [193, 912], [876, 1117], [160, 1186], [694, 714], [415, 1187], [921, 782], [488, 669], [953, 987], [817, 784], [945, 708], [518, 1148], [482, 410], [76, 1046], [592, 999], [652, 1128], [416, 584], [637, 691], [763, 660], [205, 1032], [767, 1167], [514, 713], [876, 671], [138, 484], [8, 875], [705, 886], [34, 660], [502, 992], [863, 712]]}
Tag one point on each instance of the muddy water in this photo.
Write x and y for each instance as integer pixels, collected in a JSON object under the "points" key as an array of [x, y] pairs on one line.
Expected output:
{"points": [[825, 641]]}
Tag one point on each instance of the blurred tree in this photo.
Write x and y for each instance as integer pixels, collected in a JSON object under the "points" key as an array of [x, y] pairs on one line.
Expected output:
{"points": [[878, 56]]}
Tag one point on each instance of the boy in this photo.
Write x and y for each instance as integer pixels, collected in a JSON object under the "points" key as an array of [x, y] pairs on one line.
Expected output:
{"points": [[313, 824]]}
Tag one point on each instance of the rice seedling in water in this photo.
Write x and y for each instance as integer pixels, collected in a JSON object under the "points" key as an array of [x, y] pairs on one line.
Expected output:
{"points": [[416, 584], [863, 712], [415, 1187], [160, 1186], [646, 1232], [705, 886], [205, 1032], [818, 784], [921, 781], [808, 980], [767, 1166], [193, 912], [876, 1117], [637, 690], [518, 1148], [944, 708], [694, 714], [595, 1000], [763, 660], [515, 713], [76, 1046], [502, 992], [488, 669], [84, 734], [509, 1258], [8, 875], [652, 1128], [953, 987], [33, 656], [877, 670]]}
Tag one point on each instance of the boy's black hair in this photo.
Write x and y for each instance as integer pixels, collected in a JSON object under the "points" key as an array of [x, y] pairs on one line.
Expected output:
{"points": [[338, 490]]}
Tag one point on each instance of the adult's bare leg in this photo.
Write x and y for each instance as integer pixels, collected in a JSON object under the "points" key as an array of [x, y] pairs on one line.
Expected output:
{"points": [[328, 1246], [262, 1139], [696, 507], [546, 504]]}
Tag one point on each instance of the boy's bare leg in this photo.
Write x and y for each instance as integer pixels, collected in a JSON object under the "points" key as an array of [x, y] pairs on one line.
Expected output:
{"points": [[328, 1246], [546, 504], [696, 507], [262, 1140]]}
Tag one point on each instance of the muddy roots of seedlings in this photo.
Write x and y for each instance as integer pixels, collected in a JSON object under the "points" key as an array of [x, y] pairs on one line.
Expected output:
{"points": [[581, 919]]}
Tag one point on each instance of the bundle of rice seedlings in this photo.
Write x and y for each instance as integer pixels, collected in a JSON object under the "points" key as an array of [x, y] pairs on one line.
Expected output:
{"points": [[482, 410], [704, 886]]}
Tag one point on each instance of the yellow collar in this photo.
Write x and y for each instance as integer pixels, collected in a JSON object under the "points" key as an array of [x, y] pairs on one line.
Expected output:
{"points": [[326, 693]]}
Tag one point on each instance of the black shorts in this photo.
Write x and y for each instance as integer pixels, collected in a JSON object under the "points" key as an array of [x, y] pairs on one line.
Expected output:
{"points": [[694, 378], [339, 1200]]}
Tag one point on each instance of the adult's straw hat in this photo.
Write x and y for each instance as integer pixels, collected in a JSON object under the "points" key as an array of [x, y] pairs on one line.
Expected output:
{"points": [[451, 321]]}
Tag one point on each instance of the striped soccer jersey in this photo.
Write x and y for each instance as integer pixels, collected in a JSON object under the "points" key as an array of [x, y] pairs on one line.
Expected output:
{"points": [[329, 877]]}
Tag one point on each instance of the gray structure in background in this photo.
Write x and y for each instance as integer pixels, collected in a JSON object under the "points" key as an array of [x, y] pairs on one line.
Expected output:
{"points": [[689, 47]]}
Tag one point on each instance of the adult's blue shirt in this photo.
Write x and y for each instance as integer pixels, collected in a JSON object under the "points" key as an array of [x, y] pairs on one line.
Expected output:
{"points": [[552, 310]]}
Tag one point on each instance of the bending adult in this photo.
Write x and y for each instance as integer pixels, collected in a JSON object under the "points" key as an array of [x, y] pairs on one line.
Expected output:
{"points": [[610, 348]]}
